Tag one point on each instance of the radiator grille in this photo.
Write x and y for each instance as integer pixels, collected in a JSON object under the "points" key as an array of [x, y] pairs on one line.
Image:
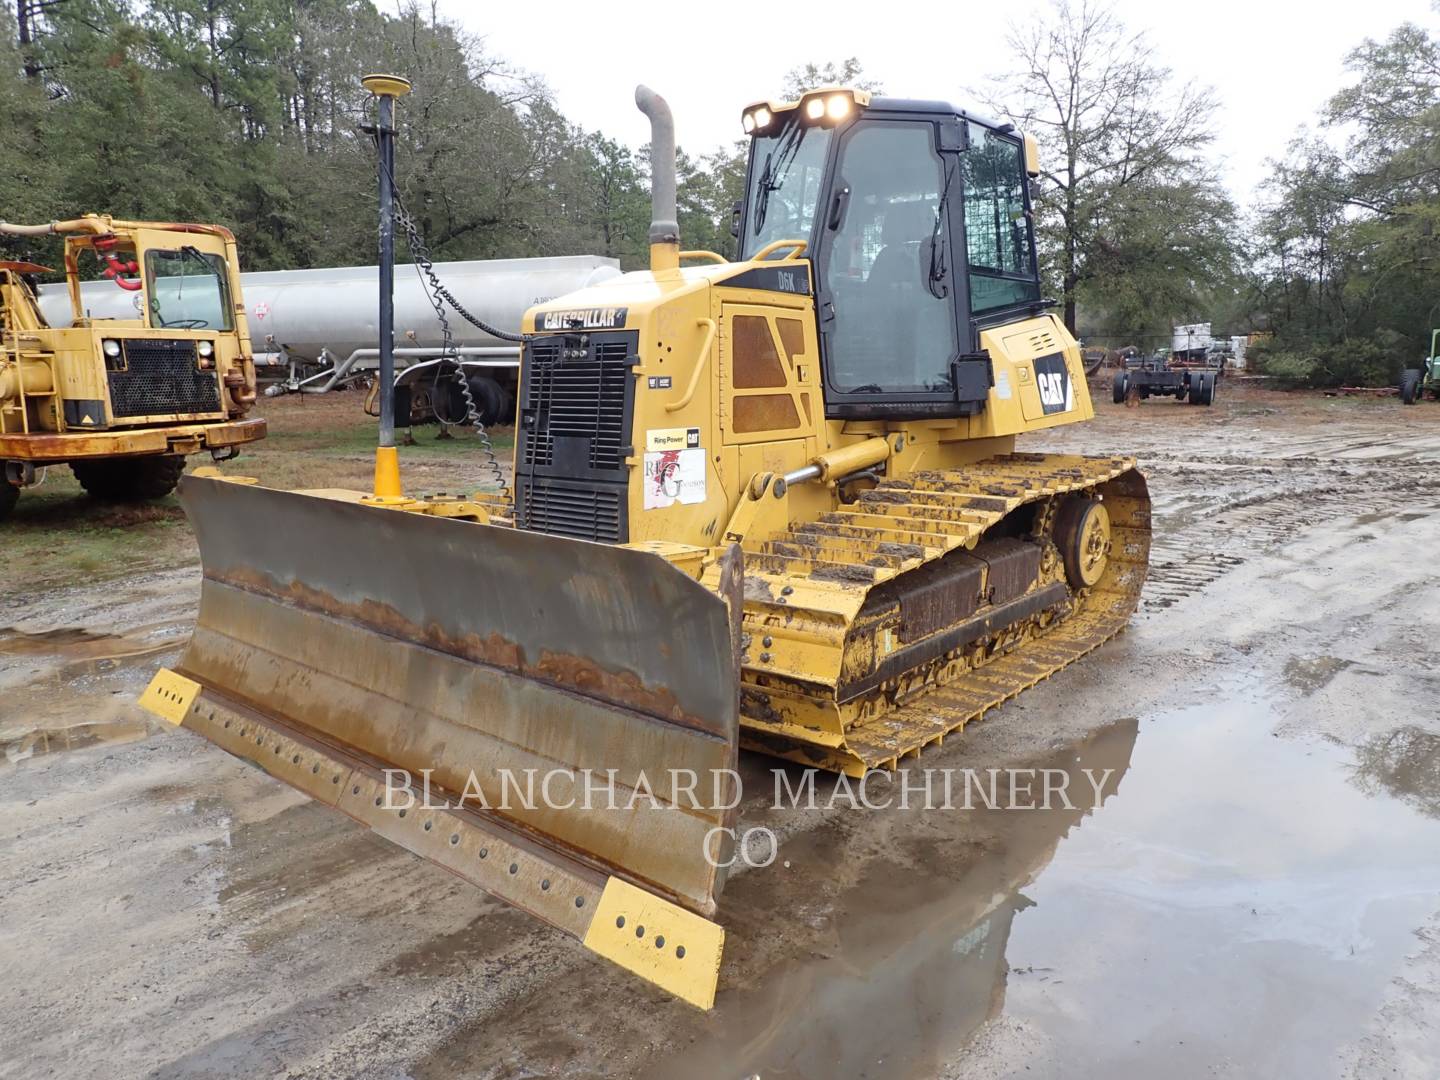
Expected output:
{"points": [[574, 409], [587, 511], [160, 377], [577, 398]]}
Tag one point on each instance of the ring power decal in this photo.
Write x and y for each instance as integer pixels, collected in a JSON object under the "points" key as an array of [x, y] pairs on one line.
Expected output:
{"points": [[675, 438], [673, 476]]}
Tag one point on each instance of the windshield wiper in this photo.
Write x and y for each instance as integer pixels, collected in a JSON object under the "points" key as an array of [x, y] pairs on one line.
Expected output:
{"points": [[938, 270], [195, 253], [762, 194], [773, 176]]}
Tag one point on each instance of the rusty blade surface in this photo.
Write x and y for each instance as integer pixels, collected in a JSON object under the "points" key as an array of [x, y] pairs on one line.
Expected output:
{"points": [[573, 687]]}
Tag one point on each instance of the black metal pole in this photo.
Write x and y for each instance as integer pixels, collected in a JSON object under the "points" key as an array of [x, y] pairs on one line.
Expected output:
{"points": [[386, 89], [385, 138]]}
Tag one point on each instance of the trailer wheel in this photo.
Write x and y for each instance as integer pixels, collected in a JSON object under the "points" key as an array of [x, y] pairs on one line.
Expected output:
{"points": [[1203, 390], [1120, 388], [129, 479], [9, 496], [491, 401], [1410, 385]]}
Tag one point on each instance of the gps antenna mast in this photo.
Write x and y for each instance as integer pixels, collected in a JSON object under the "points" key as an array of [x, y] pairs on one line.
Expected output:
{"points": [[386, 89]]}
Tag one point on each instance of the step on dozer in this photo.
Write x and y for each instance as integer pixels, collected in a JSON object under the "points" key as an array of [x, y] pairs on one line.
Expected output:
{"points": [[772, 503]]}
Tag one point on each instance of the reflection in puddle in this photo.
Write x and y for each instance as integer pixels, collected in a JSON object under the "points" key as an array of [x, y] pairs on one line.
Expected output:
{"points": [[1406, 764], [20, 743], [1239, 899], [75, 688], [74, 643], [922, 957]]}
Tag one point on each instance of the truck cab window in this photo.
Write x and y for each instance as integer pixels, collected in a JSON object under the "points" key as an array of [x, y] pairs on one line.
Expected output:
{"points": [[188, 290], [997, 229], [894, 328]]}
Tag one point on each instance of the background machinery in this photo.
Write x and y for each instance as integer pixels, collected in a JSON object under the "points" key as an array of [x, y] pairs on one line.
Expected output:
{"points": [[775, 502], [124, 399], [1186, 377], [1415, 381], [314, 330]]}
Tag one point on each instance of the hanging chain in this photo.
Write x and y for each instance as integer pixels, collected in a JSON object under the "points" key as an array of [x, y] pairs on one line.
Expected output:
{"points": [[435, 292]]}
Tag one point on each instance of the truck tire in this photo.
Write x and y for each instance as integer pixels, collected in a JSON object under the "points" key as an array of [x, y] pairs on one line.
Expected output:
{"points": [[1121, 387], [9, 495], [156, 477], [492, 404], [1410, 385], [1202, 389], [129, 479]]}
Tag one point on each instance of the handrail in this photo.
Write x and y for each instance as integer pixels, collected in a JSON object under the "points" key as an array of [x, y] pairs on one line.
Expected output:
{"points": [[777, 245], [701, 254], [675, 406]]}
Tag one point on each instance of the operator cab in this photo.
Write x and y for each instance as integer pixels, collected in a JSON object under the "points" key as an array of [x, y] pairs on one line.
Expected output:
{"points": [[919, 230]]}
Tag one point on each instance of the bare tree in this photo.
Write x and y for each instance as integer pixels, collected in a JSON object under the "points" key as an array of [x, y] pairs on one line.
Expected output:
{"points": [[1106, 118], [848, 72]]}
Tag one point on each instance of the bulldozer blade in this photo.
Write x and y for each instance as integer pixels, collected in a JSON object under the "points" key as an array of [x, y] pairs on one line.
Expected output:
{"points": [[553, 720]]}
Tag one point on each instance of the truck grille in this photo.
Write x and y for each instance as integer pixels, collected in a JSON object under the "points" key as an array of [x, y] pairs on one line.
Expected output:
{"points": [[577, 398], [159, 378]]}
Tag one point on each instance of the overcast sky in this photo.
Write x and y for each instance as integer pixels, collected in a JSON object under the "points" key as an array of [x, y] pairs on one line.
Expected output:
{"points": [[1273, 64]]}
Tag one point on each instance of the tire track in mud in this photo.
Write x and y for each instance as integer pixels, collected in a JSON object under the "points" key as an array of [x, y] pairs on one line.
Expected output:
{"points": [[1201, 533]]}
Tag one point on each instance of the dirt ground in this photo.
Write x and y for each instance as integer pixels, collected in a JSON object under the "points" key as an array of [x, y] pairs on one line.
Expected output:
{"points": [[1257, 891]]}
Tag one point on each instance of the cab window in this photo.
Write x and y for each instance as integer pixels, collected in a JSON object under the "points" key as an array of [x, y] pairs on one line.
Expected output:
{"points": [[188, 290], [997, 229], [787, 174], [894, 328]]}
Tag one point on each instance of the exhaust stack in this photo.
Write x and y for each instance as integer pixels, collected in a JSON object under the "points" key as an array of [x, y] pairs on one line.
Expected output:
{"points": [[664, 225]]}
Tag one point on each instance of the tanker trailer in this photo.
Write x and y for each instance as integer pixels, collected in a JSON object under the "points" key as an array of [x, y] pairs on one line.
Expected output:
{"points": [[314, 330]]}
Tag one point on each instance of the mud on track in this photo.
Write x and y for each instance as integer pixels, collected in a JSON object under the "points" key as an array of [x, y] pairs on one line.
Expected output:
{"points": [[1258, 892]]}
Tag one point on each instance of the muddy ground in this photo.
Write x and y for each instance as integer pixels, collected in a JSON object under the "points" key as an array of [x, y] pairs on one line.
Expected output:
{"points": [[1256, 891]]}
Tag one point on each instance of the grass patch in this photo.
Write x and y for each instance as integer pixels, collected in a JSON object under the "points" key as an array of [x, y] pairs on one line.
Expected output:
{"points": [[362, 439], [58, 536]]}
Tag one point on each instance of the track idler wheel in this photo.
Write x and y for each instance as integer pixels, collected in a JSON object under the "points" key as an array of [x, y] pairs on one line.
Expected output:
{"points": [[1082, 533]]}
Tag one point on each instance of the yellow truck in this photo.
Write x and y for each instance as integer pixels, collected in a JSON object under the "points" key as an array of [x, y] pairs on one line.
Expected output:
{"points": [[124, 401]]}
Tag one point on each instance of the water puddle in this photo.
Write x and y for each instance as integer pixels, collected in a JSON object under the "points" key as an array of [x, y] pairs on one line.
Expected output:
{"points": [[71, 688], [1239, 901], [19, 743], [83, 647]]}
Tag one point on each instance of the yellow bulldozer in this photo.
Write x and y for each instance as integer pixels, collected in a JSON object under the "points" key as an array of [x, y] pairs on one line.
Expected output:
{"points": [[123, 401], [772, 503]]}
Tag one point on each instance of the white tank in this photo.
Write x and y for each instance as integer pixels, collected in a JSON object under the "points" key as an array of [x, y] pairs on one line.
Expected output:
{"points": [[334, 309]]}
